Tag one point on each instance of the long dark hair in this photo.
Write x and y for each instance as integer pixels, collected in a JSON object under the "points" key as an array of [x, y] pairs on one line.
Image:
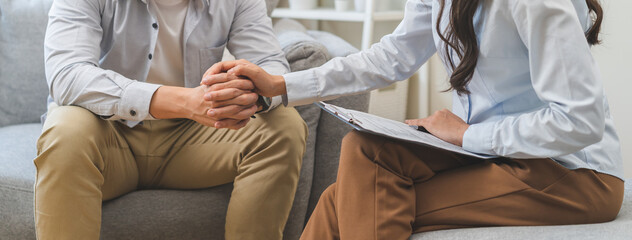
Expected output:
{"points": [[460, 36]]}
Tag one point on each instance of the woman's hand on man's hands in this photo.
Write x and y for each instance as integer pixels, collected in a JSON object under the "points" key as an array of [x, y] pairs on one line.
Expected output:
{"points": [[264, 84]]}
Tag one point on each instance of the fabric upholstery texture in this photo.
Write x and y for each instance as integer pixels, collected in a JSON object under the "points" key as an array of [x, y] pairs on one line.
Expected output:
{"points": [[336, 46], [17, 176], [303, 52], [302, 49], [306, 53], [23, 88]]}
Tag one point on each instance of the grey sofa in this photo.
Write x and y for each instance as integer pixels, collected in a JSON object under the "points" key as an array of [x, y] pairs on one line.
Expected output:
{"points": [[173, 214]]}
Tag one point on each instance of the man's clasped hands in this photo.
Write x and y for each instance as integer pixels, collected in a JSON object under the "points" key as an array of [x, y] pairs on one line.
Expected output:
{"points": [[231, 91]]}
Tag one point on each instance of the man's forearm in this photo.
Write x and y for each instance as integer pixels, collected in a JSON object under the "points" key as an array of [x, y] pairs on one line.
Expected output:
{"points": [[170, 102]]}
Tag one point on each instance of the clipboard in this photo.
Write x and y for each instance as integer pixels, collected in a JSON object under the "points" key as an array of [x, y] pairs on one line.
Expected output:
{"points": [[340, 114], [365, 122]]}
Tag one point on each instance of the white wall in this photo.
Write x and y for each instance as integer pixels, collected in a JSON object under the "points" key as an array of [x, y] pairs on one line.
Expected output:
{"points": [[614, 58]]}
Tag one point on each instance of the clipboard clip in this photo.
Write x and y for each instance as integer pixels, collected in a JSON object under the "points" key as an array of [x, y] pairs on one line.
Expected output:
{"points": [[349, 117], [345, 116]]}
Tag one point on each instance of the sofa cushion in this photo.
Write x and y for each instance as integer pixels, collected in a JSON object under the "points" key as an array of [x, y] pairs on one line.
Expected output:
{"points": [[17, 151], [23, 88], [616, 230], [167, 214], [17, 174], [302, 52], [336, 46]]}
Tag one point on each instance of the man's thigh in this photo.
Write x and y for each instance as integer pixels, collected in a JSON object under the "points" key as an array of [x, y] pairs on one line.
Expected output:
{"points": [[203, 157], [80, 145]]}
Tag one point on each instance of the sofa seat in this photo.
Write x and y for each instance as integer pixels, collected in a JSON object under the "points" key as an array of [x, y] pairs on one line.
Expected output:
{"points": [[17, 176], [619, 229]]}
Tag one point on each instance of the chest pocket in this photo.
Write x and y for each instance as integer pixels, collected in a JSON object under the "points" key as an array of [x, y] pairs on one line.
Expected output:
{"points": [[210, 56]]}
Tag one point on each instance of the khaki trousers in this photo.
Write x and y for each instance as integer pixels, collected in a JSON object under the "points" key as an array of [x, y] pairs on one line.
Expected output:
{"points": [[387, 189], [84, 160]]}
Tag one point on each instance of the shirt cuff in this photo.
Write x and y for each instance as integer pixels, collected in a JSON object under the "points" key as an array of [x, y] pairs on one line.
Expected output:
{"points": [[302, 88], [135, 101], [478, 138], [276, 101]]}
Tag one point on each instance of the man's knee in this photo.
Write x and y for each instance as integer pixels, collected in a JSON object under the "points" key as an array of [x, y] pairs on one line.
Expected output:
{"points": [[287, 126], [72, 126], [283, 130], [71, 132]]}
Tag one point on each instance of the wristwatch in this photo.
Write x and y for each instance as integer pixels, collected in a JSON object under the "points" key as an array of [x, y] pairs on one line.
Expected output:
{"points": [[264, 102]]}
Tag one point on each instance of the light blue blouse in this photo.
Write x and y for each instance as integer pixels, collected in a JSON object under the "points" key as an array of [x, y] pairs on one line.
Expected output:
{"points": [[536, 91]]}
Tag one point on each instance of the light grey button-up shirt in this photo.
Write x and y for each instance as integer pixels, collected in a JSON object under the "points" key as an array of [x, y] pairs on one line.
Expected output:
{"points": [[536, 91], [98, 52]]}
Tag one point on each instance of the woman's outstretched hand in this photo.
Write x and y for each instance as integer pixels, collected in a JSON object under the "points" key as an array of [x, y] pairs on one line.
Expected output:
{"points": [[444, 125], [265, 84]]}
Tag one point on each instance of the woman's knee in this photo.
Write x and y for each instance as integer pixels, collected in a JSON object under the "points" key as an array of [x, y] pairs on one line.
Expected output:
{"points": [[329, 194], [362, 143], [612, 198]]}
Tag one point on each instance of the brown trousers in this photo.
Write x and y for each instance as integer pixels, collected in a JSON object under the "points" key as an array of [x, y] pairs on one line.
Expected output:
{"points": [[388, 189]]}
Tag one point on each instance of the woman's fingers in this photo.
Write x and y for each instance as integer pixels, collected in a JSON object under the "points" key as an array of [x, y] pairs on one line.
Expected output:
{"points": [[248, 70], [219, 67], [210, 76], [416, 122]]}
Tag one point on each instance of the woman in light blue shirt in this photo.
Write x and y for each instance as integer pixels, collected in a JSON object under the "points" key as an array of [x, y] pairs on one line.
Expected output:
{"points": [[526, 89]]}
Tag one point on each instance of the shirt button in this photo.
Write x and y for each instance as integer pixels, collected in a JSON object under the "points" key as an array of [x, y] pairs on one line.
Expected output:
{"points": [[151, 56], [132, 112], [155, 25]]}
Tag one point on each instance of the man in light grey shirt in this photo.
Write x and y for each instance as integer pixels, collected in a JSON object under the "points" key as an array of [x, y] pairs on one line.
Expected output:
{"points": [[127, 112]]}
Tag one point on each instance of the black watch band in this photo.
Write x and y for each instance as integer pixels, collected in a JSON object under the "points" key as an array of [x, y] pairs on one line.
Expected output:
{"points": [[264, 102]]}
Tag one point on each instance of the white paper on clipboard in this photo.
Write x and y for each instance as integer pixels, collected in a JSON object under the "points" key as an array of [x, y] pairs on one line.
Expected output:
{"points": [[369, 123]]}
